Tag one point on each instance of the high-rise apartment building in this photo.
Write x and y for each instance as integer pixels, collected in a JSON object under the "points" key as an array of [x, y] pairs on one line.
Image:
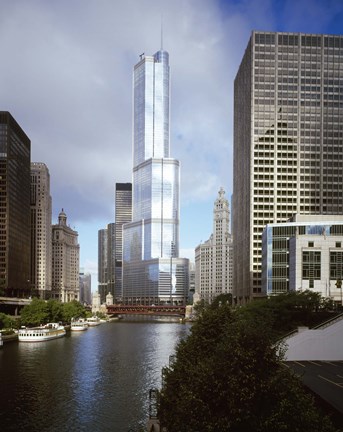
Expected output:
{"points": [[123, 214], [214, 258], [288, 141], [152, 271], [65, 261], [106, 261], [15, 148], [41, 243]]}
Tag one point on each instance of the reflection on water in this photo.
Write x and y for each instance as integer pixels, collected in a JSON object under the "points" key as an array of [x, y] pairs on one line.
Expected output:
{"points": [[96, 380]]}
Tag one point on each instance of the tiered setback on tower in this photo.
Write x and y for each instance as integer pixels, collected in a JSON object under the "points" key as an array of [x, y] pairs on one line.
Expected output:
{"points": [[152, 271], [213, 258]]}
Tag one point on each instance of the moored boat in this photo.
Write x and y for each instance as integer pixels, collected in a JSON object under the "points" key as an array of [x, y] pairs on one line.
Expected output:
{"points": [[42, 333], [93, 321], [79, 325]]}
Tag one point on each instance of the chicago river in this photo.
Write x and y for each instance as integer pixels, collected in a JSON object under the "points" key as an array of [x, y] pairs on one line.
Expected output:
{"points": [[97, 380]]}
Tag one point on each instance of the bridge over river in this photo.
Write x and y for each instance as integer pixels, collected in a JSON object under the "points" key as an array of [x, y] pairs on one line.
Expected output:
{"points": [[12, 305], [176, 311]]}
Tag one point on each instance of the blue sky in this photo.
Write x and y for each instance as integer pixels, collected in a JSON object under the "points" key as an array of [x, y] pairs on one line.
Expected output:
{"points": [[66, 76]]}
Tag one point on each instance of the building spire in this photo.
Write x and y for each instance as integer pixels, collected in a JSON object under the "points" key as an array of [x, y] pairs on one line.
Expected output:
{"points": [[161, 32]]}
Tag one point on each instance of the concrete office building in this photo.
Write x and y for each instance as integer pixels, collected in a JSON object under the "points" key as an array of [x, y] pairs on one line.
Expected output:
{"points": [[123, 215], [214, 258], [153, 273], [304, 253], [65, 261], [41, 243], [15, 244], [288, 116]]}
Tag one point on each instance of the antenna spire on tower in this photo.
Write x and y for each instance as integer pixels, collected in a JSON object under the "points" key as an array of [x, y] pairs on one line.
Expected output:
{"points": [[161, 32]]}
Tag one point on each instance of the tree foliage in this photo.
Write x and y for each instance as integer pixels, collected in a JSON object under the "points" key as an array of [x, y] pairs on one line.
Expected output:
{"points": [[228, 376], [287, 311], [36, 313], [71, 310], [6, 321], [42, 312], [55, 310]]}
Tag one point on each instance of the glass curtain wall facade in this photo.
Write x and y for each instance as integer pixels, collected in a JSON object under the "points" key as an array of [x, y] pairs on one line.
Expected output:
{"points": [[15, 242], [152, 271], [288, 116]]}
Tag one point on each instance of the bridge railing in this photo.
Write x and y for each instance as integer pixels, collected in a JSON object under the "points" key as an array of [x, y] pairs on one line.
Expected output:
{"points": [[146, 310]]}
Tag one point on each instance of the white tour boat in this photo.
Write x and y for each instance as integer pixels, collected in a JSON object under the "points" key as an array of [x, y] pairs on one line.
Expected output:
{"points": [[79, 325], [42, 333], [93, 321]]}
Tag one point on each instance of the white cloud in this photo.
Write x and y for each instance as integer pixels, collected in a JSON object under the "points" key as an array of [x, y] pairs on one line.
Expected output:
{"points": [[66, 76]]}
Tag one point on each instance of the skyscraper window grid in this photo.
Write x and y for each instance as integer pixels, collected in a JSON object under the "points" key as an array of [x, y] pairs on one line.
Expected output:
{"points": [[288, 144]]}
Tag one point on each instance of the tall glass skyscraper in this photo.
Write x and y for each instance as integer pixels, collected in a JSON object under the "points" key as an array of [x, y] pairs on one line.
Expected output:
{"points": [[152, 271]]}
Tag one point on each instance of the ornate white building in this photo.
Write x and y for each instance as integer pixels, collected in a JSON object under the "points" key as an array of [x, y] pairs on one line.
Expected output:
{"points": [[41, 255], [65, 261], [214, 258]]}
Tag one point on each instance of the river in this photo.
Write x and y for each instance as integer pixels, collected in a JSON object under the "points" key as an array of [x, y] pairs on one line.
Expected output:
{"points": [[94, 381]]}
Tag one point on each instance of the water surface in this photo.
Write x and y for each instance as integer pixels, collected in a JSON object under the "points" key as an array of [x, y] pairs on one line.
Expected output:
{"points": [[94, 381]]}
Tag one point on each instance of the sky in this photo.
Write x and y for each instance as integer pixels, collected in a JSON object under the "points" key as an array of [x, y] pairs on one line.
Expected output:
{"points": [[66, 77]]}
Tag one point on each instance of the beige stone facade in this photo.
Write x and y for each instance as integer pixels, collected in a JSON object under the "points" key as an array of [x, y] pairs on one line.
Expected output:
{"points": [[65, 261]]}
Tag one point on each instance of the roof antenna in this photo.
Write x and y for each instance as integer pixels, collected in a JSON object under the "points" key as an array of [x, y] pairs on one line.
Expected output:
{"points": [[161, 32]]}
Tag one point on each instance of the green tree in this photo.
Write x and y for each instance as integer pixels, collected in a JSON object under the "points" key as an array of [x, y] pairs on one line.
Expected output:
{"points": [[287, 311], [73, 309], [55, 310], [6, 321], [228, 376], [36, 313]]}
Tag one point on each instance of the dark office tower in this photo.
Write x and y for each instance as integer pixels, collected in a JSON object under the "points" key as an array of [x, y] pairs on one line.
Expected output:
{"points": [[14, 208], [111, 233], [288, 143], [123, 214], [102, 264]]}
